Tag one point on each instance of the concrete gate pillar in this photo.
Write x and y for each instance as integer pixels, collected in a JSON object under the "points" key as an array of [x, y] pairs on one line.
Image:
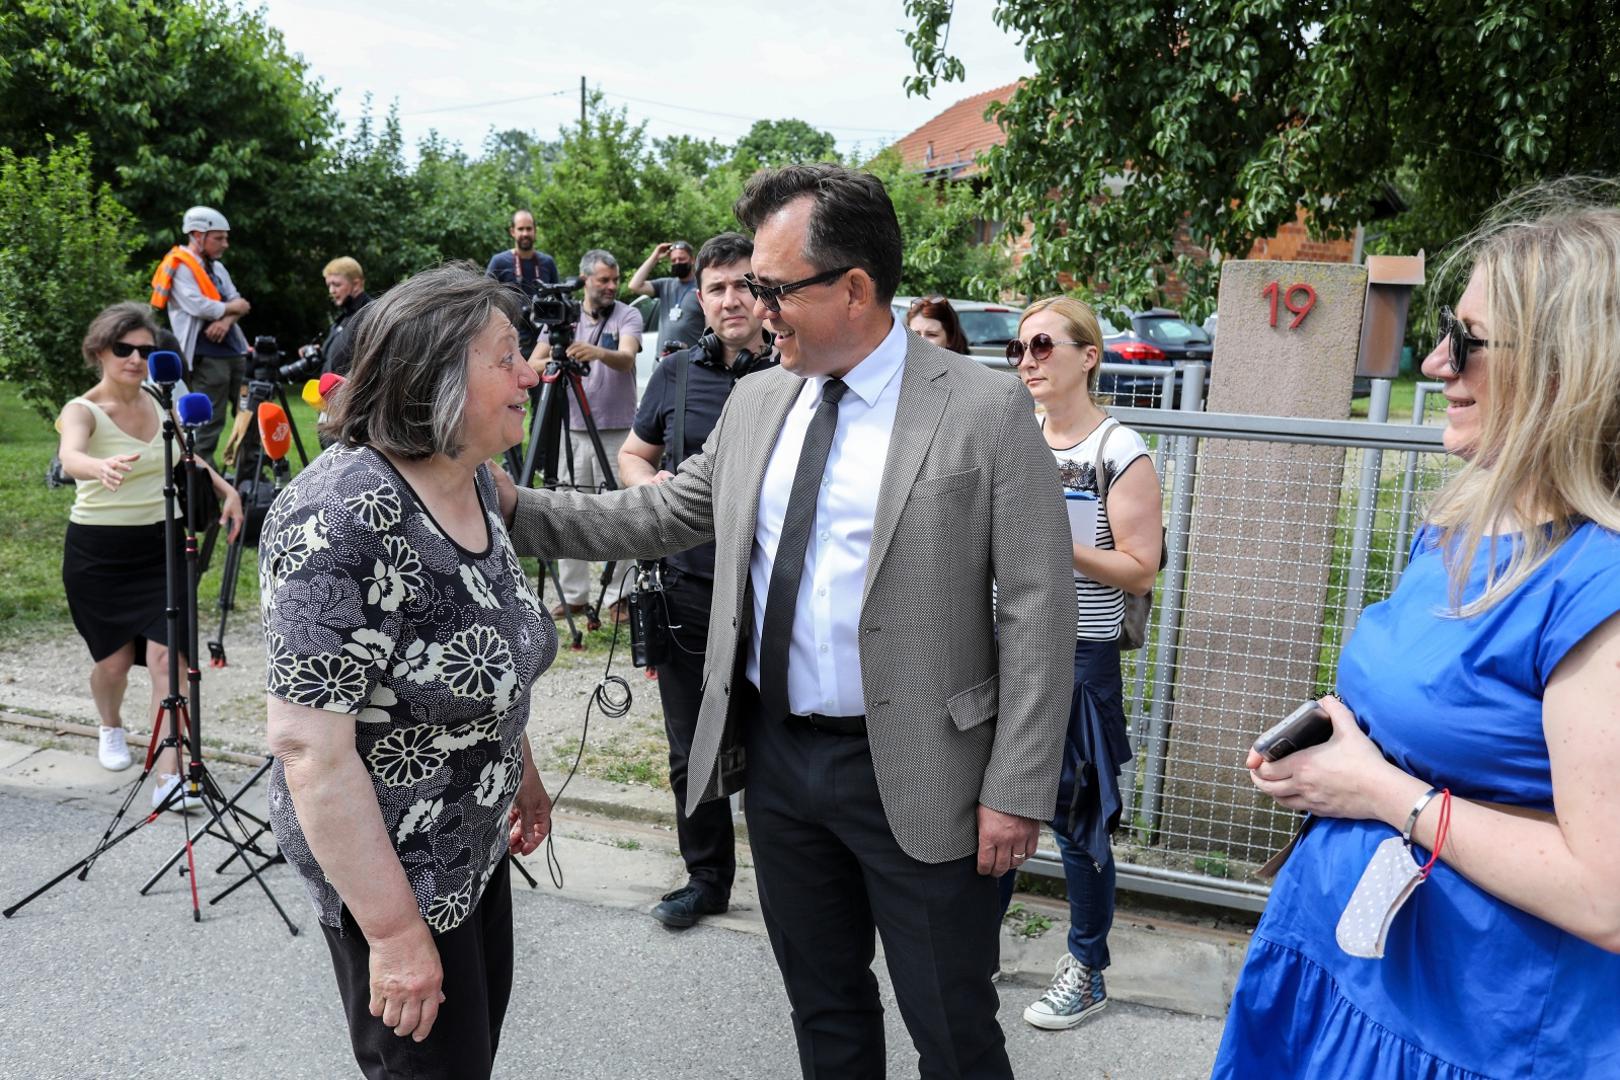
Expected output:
{"points": [[1261, 547]]}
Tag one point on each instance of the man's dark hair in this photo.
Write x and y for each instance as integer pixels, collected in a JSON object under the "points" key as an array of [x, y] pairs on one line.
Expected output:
{"points": [[852, 223], [723, 250], [407, 388]]}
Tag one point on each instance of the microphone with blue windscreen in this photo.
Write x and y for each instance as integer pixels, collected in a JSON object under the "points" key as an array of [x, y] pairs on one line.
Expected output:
{"points": [[195, 409], [165, 367]]}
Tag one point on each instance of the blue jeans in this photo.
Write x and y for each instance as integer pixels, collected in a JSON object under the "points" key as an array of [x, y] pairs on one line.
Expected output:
{"points": [[1091, 901]]}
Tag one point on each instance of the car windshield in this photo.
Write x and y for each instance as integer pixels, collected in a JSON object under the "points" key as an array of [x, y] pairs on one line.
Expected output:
{"points": [[1108, 329], [989, 327], [1169, 331]]}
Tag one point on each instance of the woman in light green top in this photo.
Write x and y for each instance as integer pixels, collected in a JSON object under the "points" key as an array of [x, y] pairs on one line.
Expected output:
{"points": [[113, 562]]}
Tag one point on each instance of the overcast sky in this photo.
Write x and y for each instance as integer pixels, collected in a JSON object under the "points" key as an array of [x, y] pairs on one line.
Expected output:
{"points": [[708, 68]]}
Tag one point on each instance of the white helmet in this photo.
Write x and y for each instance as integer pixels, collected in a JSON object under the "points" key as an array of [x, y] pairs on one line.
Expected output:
{"points": [[204, 219]]}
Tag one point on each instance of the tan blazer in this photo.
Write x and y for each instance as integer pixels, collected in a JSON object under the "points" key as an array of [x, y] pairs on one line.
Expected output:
{"points": [[969, 495]]}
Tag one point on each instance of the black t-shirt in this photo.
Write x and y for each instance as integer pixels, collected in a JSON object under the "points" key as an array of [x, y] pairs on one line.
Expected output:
{"points": [[338, 349], [540, 268], [707, 387]]}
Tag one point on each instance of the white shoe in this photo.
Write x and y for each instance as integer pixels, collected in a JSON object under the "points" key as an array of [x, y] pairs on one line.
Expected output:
{"points": [[1076, 993], [167, 782], [114, 751]]}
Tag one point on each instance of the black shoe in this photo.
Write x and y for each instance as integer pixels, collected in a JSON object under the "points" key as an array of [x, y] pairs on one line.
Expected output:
{"points": [[685, 906]]}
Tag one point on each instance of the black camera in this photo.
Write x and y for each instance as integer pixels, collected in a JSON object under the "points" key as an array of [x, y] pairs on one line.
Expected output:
{"points": [[266, 365], [554, 309]]}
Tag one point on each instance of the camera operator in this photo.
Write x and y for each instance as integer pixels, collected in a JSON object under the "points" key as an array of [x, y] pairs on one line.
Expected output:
{"points": [[346, 285], [651, 454], [204, 306], [680, 316], [607, 338], [523, 268]]}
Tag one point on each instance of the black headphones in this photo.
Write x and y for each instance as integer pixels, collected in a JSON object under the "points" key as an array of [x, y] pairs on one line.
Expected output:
{"points": [[710, 353]]}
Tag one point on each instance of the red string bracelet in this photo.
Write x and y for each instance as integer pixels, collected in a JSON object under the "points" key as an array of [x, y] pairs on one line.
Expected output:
{"points": [[1440, 832]]}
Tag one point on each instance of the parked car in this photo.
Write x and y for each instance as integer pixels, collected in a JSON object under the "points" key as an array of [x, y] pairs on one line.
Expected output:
{"points": [[988, 326], [1158, 336]]}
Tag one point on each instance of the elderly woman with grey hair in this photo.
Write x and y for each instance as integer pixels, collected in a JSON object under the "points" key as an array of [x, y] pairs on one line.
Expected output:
{"points": [[402, 638]]}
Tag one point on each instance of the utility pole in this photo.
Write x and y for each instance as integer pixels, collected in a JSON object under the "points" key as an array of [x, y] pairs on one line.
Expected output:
{"points": [[582, 106]]}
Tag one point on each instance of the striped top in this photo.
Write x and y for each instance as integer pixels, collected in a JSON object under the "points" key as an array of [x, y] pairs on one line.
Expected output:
{"points": [[1099, 609], [139, 499]]}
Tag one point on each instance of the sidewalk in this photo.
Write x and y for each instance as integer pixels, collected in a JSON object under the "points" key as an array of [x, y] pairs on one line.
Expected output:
{"points": [[633, 860]]}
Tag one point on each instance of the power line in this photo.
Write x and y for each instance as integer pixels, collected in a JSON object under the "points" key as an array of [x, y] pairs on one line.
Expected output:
{"points": [[739, 116], [487, 104]]}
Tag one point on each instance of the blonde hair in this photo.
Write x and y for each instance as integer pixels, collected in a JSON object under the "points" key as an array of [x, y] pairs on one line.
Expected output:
{"points": [[346, 266], [1548, 452], [1083, 327]]}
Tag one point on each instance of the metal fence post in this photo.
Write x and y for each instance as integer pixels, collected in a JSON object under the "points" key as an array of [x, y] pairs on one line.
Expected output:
{"points": [[1372, 462], [1177, 534], [1403, 520]]}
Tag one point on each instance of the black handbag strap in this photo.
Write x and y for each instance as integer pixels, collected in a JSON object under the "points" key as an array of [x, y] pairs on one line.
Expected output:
{"points": [[683, 364]]}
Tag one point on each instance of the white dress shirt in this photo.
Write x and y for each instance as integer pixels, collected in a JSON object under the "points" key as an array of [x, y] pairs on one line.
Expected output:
{"points": [[824, 658]]}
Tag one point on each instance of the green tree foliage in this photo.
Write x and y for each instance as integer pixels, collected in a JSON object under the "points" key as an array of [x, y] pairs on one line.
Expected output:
{"points": [[63, 255], [774, 143], [184, 103], [939, 222], [1226, 116], [608, 189]]}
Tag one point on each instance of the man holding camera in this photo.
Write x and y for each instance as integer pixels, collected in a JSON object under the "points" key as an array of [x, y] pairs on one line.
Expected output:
{"points": [[679, 409], [607, 338], [680, 314], [204, 306], [346, 285], [523, 268]]}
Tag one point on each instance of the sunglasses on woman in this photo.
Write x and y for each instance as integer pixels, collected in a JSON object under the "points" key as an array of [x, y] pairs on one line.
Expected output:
{"points": [[1459, 342], [122, 349], [771, 295], [1040, 347]]}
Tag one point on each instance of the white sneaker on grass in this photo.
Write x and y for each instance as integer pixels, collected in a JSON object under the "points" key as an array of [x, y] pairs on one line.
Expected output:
{"points": [[114, 749], [167, 782], [1076, 993]]}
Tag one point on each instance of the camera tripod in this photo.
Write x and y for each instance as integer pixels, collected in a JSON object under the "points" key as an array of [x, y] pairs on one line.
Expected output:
{"points": [[179, 718], [549, 449], [259, 475]]}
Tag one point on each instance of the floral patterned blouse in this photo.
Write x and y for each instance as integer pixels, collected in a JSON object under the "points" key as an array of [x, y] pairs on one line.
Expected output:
{"points": [[372, 611]]}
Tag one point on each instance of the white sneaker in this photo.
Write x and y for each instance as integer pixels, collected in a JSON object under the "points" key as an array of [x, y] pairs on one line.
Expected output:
{"points": [[1076, 993], [167, 782], [114, 751]]}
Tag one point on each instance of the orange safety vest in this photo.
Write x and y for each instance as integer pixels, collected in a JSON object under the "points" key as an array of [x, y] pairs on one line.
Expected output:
{"points": [[163, 277]]}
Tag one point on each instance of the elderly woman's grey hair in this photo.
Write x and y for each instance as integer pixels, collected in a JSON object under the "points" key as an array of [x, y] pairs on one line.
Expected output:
{"points": [[406, 392], [593, 258]]}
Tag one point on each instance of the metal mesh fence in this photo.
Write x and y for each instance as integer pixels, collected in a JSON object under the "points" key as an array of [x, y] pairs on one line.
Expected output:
{"points": [[1279, 532]]}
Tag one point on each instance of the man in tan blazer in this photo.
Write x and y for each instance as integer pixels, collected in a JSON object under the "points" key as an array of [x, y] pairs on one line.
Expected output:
{"points": [[900, 739]]}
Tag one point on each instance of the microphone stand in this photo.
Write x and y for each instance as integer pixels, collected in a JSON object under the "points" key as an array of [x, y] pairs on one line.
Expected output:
{"points": [[198, 782]]}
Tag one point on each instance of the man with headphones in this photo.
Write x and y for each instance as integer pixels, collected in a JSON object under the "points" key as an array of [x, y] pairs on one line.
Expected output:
{"points": [[678, 409]]}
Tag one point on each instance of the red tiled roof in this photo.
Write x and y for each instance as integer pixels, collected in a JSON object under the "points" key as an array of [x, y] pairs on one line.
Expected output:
{"points": [[956, 135]]}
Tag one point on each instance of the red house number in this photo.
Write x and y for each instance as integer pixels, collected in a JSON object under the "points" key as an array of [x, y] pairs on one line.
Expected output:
{"points": [[1300, 309]]}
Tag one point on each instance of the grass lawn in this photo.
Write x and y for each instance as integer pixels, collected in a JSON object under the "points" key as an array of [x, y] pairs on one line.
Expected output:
{"points": [[35, 517]]}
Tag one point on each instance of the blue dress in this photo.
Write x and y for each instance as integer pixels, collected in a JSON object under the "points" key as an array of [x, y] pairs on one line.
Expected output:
{"points": [[1469, 986]]}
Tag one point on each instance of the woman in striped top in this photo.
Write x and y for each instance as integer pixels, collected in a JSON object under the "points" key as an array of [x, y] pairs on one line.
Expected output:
{"points": [[1058, 353]]}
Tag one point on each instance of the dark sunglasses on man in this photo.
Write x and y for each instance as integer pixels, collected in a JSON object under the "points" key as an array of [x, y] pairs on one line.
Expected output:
{"points": [[122, 349], [771, 295], [1459, 342], [1040, 347]]}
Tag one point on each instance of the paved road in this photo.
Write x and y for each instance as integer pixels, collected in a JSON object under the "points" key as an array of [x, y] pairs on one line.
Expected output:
{"points": [[97, 981]]}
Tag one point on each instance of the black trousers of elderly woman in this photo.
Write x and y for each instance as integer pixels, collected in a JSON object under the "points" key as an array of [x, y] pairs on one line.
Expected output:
{"points": [[477, 961]]}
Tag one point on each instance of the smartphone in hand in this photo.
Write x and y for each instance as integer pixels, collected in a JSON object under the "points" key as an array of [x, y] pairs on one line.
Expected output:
{"points": [[1307, 725]]}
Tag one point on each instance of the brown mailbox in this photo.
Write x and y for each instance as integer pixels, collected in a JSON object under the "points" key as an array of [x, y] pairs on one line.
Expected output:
{"points": [[1390, 281]]}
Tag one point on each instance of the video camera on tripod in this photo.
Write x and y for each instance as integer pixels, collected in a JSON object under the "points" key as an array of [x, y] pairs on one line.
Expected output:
{"points": [[555, 311], [265, 365]]}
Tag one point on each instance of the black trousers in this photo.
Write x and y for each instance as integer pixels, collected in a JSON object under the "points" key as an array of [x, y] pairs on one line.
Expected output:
{"points": [[830, 872], [477, 960], [707, 840]]}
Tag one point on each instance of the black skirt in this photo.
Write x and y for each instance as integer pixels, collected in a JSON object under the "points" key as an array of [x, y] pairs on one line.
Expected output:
{"points": [[117, 587]]}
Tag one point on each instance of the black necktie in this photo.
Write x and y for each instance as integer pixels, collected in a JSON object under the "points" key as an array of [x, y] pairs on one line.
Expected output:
{"points": [[797, 524]]}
